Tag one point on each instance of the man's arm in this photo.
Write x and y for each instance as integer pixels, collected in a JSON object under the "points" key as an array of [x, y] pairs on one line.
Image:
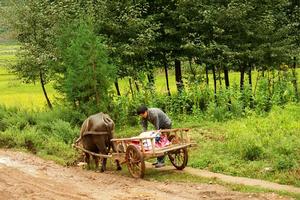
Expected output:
{"points": [[144, 124]]}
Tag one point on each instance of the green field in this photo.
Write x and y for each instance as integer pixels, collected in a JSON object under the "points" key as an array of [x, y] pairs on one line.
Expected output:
{"points": [[13, 91]]}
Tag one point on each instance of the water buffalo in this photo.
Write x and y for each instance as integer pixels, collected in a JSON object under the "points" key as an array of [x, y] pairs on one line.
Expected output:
{"points": [[96, 132]]}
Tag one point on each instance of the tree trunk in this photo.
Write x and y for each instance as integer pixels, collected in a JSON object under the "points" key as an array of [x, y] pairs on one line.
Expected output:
{"points": [[137, 86], [242, 77], [130, 86], [250, 84], [178, 76], [206, 72], [215, 82], [226, 76], [117, 87], [44, 90], [166, 74], [294, 80]]}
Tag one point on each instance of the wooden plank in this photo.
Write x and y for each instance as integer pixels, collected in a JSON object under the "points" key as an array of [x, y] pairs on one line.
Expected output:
{"points": [[95, 133], [92, 153], [173, 130], [169, 148]]}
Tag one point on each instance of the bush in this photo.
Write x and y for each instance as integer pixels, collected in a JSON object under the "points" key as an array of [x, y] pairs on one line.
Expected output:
{"points": [[284, 163], [28, 139], [62, 152], [252, 152], [7, 140], [262, 97], [218, 113], [63, 131]]}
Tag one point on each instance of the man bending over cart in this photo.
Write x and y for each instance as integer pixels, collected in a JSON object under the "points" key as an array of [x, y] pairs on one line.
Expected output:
{"points": [[159, 119]]}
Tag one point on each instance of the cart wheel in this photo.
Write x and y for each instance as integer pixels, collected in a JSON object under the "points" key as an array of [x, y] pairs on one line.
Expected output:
{"points": [[179, 158], [135, 161]]}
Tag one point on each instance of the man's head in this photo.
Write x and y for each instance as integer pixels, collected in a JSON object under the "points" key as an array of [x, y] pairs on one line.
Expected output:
{"points": [[142, 111]]}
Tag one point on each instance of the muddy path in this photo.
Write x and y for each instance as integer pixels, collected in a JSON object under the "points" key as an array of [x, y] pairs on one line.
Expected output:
{"points": [[25, 176]]}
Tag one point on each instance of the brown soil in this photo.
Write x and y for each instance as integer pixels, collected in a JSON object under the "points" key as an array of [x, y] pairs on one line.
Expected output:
{"points": [[25, 176]]}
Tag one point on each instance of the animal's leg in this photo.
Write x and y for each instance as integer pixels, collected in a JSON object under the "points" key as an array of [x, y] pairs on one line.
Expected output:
{"points": [[103, 168], [118, 165], [96, 159], [87, 159]]}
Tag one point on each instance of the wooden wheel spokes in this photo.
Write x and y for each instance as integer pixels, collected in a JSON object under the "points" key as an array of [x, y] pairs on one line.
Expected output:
{"points": [[135, 162], [179, 158]]}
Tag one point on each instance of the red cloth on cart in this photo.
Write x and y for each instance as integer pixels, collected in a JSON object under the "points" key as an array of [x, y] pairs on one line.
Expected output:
{"points": [[161, 140]]}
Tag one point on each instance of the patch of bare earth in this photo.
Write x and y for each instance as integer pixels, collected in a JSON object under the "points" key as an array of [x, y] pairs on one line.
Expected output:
{"points": [[25, 176]]}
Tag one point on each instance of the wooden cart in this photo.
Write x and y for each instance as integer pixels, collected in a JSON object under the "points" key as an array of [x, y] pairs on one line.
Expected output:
{"points": [[134, 155]]}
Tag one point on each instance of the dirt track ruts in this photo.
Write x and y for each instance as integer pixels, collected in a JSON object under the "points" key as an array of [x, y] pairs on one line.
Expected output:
{"points": [[25, 176]]}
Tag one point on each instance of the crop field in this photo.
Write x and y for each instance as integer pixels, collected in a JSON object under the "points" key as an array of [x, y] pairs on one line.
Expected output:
{"points": [[13, 91]]}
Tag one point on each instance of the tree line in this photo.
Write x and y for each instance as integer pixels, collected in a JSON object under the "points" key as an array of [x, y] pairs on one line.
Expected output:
{"points": [[86, 46]]}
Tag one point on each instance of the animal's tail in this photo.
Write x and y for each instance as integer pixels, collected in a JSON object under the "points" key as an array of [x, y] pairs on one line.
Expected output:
{"points": [[83, 129]]}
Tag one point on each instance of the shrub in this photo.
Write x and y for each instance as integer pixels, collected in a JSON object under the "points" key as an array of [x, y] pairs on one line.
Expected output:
{"points": [[285, 163], [7, 140], [63, 153], [252, 152], [62, 130], [262, 97]]}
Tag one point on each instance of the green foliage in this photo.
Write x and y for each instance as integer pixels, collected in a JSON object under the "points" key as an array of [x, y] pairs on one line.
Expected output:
{"points": [[262, 96], [87, 75], [285, 163], [283, 91], [45, 133], [56, 148], [3, 124], [252, 151]]}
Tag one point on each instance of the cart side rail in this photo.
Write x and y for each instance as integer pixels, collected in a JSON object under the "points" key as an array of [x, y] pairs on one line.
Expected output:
{"points": [[180, 136]]}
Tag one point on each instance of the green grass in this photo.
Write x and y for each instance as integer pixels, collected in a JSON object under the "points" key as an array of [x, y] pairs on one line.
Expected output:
{"points": [[221, 145], [263, 147], [249, 146], [8, 53], [15, 93]]}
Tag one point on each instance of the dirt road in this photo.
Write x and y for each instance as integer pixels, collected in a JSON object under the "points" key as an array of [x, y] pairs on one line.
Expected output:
{"points": [[25, 176]]}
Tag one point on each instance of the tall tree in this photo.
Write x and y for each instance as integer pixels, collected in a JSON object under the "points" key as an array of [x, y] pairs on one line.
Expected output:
{"points": [[87, 75]]}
